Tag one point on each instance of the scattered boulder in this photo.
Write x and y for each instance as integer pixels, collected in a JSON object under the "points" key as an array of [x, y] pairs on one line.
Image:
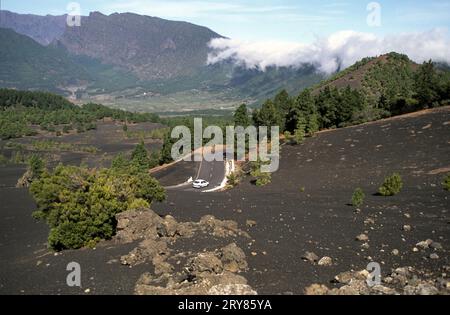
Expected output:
{"points": [[205, 264], [325, 261], [362, 238], [406, 228], [219, 228], [436, 246], [434, 256], [424, 244], [383, 290], [426, 289], [402, 281], [168, 227], [349, 276], [369, 221], [233, 258], [317, 289], [310, 256], [365, 245], [147, 250], [135, 225], [232, 289]]}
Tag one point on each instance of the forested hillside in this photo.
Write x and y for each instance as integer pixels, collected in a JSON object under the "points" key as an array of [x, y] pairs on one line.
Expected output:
{"points": [[371, 89], [25, 113]]}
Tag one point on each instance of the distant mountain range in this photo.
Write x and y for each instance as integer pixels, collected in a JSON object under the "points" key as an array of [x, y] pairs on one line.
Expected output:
{"points": [[132, 61], [129, 60], [149, 47], [43, 29]]}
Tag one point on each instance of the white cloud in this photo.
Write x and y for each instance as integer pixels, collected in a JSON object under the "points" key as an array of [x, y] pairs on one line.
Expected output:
{"points": [[340, 49]]}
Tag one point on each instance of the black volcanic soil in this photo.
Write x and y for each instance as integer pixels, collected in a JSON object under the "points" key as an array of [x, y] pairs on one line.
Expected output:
{"points": [[288, 221], [330, 166]]}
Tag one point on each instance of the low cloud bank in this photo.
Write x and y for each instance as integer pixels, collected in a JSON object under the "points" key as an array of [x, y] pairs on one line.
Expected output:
{"points": [[341, 49]]}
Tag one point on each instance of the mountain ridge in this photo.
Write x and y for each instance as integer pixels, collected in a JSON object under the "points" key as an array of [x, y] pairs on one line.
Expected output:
{"points": [[144, 62], [43, 29]]}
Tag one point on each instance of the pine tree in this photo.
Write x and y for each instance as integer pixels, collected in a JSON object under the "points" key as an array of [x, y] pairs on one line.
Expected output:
{"points": [[308, 110], [241, 116], [166, 151], [283, 103], [426, 84], [139, 157], [299, 133], [268, 115]]}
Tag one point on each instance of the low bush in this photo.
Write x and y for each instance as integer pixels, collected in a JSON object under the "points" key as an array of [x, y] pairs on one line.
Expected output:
{"points": [[260, 178], [3, 160], [234, 178], [288, 137], [446, 182], [358, 197], [392, 185]]}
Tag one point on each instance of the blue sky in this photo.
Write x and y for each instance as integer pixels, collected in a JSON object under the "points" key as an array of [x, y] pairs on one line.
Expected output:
{"points": [[288, 20]]}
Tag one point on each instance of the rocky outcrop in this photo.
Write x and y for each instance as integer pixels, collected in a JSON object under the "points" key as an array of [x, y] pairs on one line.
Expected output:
{"points": [[209, 272], [141, 224], [402, 281], [205, 274]]}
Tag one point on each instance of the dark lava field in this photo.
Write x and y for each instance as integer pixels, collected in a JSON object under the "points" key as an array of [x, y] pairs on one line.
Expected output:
{"points": [[304, 209]]}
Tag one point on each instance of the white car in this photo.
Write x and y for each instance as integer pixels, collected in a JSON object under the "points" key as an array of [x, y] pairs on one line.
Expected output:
{"points": [[200, 183]]}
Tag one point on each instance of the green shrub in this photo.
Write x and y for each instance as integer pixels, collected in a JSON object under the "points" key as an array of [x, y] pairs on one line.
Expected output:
{"points": [[3, 160], [446, 182], [234, 178], [55, 146], [15, 145], [91, 126], [81, 129], [139, 157], [66, 129], [18, 157], [261, 178], [392, 185], [120, 162], [287, 137], [358, 197], [36, 166], [166, 150], [80, 204], [299, 135]]}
